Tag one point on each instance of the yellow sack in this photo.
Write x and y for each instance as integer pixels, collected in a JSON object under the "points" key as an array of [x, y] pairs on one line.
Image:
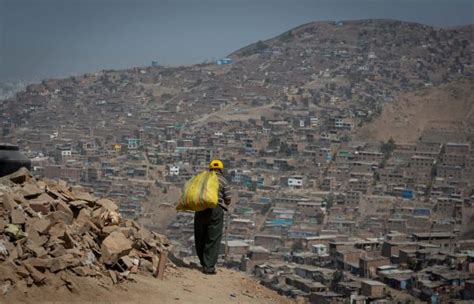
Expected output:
{"points": [[200, 192]]}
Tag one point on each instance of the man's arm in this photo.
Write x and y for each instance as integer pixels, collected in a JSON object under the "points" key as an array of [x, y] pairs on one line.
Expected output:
{"points": [[226, 193]]}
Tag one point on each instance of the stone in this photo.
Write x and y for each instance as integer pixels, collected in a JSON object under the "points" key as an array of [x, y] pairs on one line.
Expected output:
{"points": [[63, 262], [30, 190], [17, 217], [161, 239], [78, 204], [52, 279], [41, 184], [127, 231], [76, 188], [69, 280], [96, 213], [2, 224], [3, 248], [84, 215], [62, 184], [110, 217], [36, 238], [30, 212], [63, 207], [76, 252], [5, 287], [109, 229], [107, 204], [103, 217], [19, 249], [150, 244], [8, 202], [19, 199], [8, 271], [146, 265], [20, 176], [58, 250], [58, 264], [113, 276], [69, 241], [42, 203], [55, 194], [83, 271], [40, 207], [29, 281], [84, 196], [84, 226], [144, 234], [59, 216], [40, 225], [11, 248], [114, 247], [89, 242], [132, 224], [134, 269], [89, 259], [36, 275], [22, 271], [36, 249], [57, 230], [40, 264], [63, 189]]}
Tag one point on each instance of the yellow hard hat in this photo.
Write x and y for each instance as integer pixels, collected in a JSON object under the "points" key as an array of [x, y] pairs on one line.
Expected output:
{"points": [[216, 164]]}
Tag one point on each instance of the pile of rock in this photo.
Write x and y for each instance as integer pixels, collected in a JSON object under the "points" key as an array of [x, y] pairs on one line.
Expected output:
{"points": [[51, 232]]}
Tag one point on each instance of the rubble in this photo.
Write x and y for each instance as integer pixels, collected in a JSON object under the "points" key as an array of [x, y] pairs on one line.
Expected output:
{"points": [[115, 246], [52, 233]]}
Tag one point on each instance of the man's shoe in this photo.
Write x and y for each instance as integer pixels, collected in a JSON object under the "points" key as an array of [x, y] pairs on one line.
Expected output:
{"points": [[209, 270]]}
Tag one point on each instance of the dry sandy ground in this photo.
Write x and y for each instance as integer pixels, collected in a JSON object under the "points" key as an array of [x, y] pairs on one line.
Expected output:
{"points": [[180, 285], [449, 106]]}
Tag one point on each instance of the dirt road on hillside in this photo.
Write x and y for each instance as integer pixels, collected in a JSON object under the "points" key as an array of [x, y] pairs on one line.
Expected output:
{"points": [[181, 285]]}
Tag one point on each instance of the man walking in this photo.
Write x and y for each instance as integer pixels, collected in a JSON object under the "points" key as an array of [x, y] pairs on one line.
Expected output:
{"points": [[208, 223]]}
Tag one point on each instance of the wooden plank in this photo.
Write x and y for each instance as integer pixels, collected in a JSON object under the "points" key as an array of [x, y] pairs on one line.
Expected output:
{"points": [[160, 270]]}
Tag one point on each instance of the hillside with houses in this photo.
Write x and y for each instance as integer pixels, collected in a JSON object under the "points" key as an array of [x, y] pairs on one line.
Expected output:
{"points": [[349, 147]]}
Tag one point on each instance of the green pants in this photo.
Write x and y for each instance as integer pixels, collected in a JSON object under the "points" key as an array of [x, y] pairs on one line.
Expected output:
{"points": [[208, 226]]}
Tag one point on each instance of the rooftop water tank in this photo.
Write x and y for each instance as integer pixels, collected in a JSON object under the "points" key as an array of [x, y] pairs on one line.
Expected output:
{"points": [[11, 159]]}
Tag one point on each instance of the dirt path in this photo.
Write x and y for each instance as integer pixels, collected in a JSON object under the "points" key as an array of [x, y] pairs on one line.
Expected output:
{"points": [[180, 285]]}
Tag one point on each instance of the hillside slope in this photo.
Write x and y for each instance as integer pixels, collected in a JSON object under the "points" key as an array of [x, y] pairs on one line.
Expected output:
{"points": [[59, 243], [359, 65], [180, 285], [449, 106]]}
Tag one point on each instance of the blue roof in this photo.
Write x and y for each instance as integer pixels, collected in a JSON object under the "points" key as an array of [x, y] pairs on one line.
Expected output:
{"points": [[282, 222]]}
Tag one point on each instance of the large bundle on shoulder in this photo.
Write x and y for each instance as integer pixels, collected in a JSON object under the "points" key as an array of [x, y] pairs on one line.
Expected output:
{"points": [[200, 192]]}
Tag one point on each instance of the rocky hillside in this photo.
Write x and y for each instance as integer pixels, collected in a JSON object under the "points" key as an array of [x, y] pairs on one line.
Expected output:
{"points": [[60, 241], [52, 233]]}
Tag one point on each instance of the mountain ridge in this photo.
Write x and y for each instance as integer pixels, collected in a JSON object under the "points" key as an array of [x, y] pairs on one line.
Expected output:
{"points": [[350, 69], [351, 22]]}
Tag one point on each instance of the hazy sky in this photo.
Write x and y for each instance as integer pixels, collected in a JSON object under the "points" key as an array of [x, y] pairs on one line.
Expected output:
{"points": [[53, 38]]}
